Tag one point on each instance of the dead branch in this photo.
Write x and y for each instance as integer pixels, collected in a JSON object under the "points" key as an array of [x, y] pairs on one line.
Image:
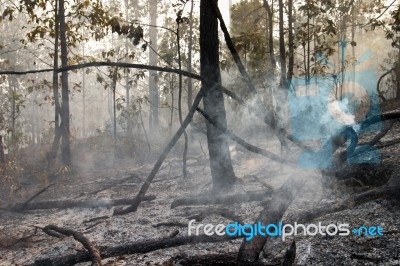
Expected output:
{"points": [[392, 190], [172, 223], [162, 156], [380, 79], [388, 143], [381, 134], [65, 204], [113, 184], [139, 247], [249, 250], [242, 142], [380, 118], [99, 64], [93, 225], [12, 241], [93, 251], [23, 206], [229, 199], [96, 219]]}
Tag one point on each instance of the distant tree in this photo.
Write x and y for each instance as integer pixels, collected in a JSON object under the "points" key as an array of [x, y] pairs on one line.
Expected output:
{"points": [[153, 59]]}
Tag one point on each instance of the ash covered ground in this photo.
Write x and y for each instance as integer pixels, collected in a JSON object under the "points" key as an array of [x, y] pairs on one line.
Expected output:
{"points": [[22, 242]]}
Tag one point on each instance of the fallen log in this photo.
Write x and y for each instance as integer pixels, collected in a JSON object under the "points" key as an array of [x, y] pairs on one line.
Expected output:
{"points": [[391, 190], [34, 196], [132, 248], [249, 250], [56, 231], [65, 204], [229, 199]]}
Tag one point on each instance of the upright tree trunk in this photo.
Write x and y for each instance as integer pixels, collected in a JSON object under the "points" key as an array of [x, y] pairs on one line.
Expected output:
{"points": [[220, 158], [397, 73], [282, 50], [189, 62], [291, 41], [52, 154], [2, 157], [129, 132], [65, 144], [153, 87], [270, 18]]}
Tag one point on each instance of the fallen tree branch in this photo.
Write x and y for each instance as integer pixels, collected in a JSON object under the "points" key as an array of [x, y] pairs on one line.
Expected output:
{"points": [[388, 143], [23, 206], [139, 247], [249, 250], [229, 199], [162, 157], [172, 223], [392, 190], [94, 253], [113, 184], [65, 204], [379, 118]]}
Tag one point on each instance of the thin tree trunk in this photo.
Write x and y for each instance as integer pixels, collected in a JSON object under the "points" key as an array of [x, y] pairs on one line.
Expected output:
{"points": [[184, 170], [52, 154], [282, 50], [291, 40], [189, 62], [270, 17], [65, 145], [129, 132], [2, 157], [397, 73], [153, 87], [220, 159], [114, 88]]}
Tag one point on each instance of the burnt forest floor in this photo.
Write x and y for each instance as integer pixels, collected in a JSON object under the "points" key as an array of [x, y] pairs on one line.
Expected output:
{"points": [[21, 242]]}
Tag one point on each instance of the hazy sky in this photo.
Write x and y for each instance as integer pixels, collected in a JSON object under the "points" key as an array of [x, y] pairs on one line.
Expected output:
{"points": [[224, 7]]}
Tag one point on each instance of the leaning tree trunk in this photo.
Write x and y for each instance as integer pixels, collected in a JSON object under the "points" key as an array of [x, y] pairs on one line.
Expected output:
{"points": [[65, 143], [220, 158]]}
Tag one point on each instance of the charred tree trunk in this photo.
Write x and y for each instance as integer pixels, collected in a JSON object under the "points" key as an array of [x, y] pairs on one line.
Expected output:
{"points": [[65, 144], [220, 158], [189, 62], [2, 157], [52, 154], [397, 73]]}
